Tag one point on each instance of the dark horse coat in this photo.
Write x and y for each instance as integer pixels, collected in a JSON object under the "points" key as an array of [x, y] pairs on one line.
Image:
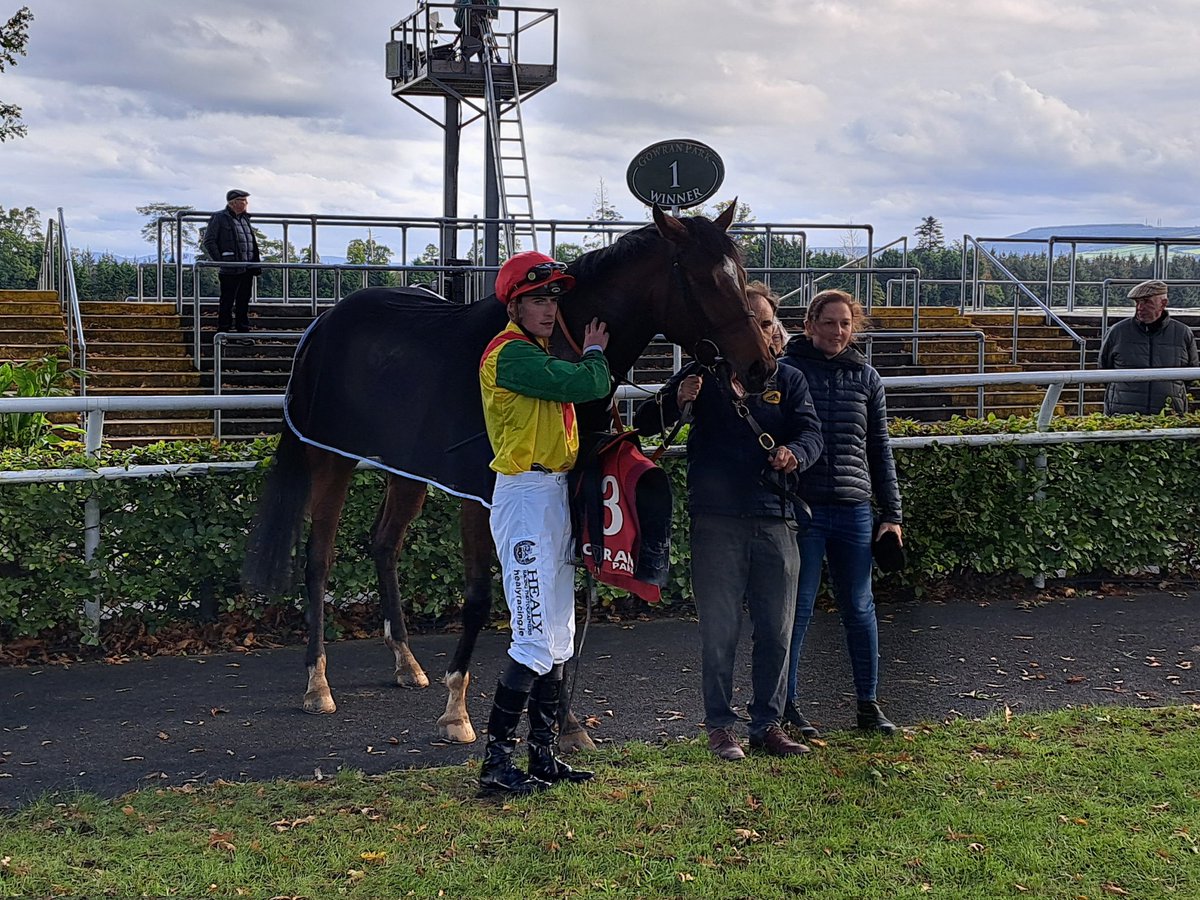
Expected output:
{"points": [[394, 379]]}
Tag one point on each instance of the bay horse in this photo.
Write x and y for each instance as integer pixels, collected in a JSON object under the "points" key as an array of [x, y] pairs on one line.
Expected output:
{"points": [[391, 377]]}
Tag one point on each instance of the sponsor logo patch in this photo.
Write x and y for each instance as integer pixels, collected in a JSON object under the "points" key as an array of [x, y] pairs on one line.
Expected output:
{"points": [[525, 553]]}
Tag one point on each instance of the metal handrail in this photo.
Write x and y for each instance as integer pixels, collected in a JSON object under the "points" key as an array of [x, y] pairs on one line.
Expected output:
{"points": [[58, 274], [980, 337], [1051, 315], [466, 229], [96, 406], [219, 341], [338, 270]]}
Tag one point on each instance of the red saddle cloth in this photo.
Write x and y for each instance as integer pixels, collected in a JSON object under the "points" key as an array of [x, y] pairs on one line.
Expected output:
{"points": [[623, 516]]}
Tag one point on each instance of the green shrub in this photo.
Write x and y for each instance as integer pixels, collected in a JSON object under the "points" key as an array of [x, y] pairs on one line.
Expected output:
{"points": [[35, 378], [969, 511]]}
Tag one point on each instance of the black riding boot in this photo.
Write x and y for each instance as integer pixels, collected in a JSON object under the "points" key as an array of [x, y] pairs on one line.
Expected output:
{"points": [[499, 775], [543, 729], [871, 718]]}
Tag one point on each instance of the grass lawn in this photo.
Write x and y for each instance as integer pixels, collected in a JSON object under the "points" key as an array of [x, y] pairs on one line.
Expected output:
{"points": [[1094, 803]]}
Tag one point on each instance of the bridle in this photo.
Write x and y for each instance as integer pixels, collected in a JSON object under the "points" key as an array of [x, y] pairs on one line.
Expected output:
{"points": [[706, 350]]}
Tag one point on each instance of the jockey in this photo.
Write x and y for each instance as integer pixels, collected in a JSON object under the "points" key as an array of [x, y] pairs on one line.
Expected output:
{"points": [[528, 406]]}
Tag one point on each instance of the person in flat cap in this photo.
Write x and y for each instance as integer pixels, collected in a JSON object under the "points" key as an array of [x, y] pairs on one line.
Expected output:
{"points": [[1149, 339], [229, 238]]}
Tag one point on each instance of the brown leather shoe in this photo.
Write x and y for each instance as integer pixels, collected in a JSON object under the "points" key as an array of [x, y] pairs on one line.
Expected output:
{"points": [[724, 743], [776, 742]]}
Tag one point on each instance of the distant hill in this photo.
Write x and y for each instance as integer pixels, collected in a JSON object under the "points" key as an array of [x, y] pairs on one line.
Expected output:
{"points": [[1135, 234]]}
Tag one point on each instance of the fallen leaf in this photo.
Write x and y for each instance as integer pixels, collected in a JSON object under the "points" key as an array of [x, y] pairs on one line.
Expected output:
{"points": [[1111, 888], [163, 736], [129, 810], [373, 856], [222, 840]]}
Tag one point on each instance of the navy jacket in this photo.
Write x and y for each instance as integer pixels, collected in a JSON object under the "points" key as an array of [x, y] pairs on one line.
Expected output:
{"points": [[857, 462], [725, 460]]}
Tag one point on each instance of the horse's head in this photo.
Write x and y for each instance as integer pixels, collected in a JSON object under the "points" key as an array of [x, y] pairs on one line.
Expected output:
{"points": [[706, 309]]}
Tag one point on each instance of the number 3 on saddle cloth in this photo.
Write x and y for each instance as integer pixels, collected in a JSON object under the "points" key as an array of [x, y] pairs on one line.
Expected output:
{"points": [[621, 512]]}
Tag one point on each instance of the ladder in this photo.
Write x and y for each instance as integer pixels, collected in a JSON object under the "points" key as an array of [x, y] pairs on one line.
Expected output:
{"points": [[508, 149]]}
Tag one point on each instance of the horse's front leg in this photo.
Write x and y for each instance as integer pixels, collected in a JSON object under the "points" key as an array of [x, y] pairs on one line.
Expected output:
{"points": [[400, 506], [455, 722], [330, 479]]}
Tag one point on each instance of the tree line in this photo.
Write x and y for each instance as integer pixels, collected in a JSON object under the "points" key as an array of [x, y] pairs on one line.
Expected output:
{"points": [[103, 276]]}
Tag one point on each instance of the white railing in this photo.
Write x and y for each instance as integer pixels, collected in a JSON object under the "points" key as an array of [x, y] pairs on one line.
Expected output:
{"points": [[94, 407]]}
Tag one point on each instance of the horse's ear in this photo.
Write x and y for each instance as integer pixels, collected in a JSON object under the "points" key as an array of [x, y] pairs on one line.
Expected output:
{"points": [[668, 226], [725, 219]]}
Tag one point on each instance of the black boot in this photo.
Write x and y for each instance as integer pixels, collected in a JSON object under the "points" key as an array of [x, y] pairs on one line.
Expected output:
{"points": [[792, 716], [871, 718], [499, 775], [543, 729]]}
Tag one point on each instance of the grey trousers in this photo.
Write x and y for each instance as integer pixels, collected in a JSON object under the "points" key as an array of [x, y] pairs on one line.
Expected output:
{"points": [[755, 560]]}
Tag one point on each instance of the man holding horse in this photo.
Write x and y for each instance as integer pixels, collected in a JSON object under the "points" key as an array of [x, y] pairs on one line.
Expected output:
{"points": [[528, 403]]}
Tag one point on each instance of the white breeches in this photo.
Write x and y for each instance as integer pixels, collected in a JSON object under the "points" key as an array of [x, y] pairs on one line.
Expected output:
{"points": [[531, 526]]}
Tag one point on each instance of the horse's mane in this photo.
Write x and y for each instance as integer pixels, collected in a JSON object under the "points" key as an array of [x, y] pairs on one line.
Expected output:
{"points": [[710, 239]]}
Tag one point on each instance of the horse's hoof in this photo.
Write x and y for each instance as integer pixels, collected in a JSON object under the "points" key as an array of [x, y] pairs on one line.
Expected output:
{"points": [[574, 741], [407, 679], [319, 703], [456, 732]]}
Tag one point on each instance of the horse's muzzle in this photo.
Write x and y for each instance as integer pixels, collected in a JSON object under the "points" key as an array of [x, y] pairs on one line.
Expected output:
{"points": [[760, 375]]}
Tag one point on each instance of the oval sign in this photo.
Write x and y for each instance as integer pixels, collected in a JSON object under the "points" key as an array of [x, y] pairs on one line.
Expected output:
{"points": [[677, 173]]}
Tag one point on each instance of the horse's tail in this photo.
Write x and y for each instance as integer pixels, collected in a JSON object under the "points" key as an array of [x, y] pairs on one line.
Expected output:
{"points": [[269, 566]]}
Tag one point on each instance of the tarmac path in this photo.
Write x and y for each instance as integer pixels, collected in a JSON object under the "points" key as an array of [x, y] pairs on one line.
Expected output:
{"points": [[108, 729]]}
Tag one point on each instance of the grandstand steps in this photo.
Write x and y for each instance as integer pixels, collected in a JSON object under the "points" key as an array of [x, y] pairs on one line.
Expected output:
{"points": [[139, 349]]}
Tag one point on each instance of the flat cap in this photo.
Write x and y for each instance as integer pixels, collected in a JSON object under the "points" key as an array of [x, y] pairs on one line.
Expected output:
{"points": [[235, 194], [1147, 289]]}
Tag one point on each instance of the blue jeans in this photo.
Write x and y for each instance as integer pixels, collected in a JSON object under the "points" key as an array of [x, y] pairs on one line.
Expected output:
{"points": [[754, 559], [840, 535]]}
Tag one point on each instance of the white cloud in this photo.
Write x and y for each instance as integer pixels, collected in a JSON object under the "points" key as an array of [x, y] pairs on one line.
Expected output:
{"points": [[993, 117]]}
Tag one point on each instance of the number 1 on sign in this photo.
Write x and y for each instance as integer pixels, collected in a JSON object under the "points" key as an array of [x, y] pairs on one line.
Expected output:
{"points": [[675, 174]]}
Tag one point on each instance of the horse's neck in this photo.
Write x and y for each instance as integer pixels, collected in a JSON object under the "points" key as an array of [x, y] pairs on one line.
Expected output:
{"points": [[630, 328]]}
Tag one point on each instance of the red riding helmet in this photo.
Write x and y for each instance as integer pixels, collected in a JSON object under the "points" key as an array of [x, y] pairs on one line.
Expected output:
{"points": [[531, 271]]}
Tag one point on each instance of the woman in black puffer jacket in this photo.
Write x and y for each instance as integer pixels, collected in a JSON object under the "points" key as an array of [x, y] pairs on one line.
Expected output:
{"points": [[855, 468]]}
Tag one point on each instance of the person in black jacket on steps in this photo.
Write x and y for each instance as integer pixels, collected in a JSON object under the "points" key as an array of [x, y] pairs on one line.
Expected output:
{"points": [[855, 467]]}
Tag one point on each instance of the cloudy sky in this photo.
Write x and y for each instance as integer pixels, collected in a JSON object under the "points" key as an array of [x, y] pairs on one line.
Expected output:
{"points": [[993, 116]]}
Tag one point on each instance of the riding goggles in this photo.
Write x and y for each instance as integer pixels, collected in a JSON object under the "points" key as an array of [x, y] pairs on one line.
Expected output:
{"points": [[543, 271]]}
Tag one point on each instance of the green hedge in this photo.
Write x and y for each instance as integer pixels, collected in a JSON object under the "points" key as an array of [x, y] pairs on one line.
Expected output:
{"points": [[1107, 507]]}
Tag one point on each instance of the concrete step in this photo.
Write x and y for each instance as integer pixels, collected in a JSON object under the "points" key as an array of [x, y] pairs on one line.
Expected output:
{"points": [[251, 382], [103, 381], [125, 308], [156, 414], [30, 308], [26, 352], [152, 349], [23, 296], [11, 337], [1000, 319], [94, 323], [144, 391], [132, 335], [148, 364], [157, 428]]}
